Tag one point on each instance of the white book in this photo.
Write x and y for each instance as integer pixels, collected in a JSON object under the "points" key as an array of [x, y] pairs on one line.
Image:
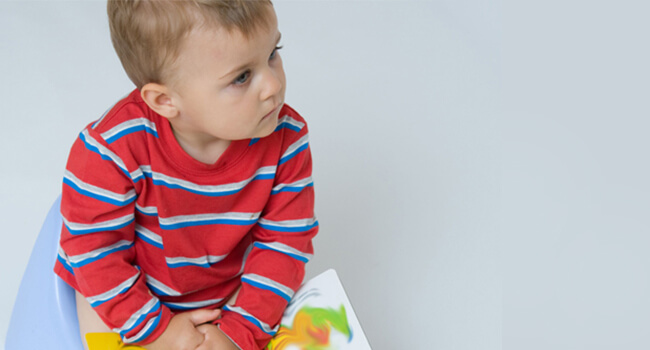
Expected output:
{"points": [[320, 317]]}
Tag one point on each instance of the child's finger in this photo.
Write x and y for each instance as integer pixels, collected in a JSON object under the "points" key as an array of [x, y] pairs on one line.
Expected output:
{"points": [[207, 341], [203, 329], [202, 316]]}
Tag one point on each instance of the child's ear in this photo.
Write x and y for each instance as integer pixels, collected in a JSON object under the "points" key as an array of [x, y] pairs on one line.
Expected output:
{"points": [[158, 98]]}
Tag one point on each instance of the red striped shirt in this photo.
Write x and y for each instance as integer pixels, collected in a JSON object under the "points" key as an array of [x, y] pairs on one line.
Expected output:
{"points": [[149, 231]]}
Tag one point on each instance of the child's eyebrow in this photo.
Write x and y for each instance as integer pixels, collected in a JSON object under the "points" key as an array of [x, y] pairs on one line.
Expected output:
{"points": [[241, 67]]}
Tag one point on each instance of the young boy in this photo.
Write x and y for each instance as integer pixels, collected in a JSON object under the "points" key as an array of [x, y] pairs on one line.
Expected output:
{"points": [[188, 207]]}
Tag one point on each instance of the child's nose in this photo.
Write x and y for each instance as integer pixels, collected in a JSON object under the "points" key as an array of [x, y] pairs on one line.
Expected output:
{"points": [[273, 83]]}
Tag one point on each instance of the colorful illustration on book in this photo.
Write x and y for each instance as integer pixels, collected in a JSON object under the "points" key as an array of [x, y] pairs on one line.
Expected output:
{"points": [[312, 329], [320, 317]]}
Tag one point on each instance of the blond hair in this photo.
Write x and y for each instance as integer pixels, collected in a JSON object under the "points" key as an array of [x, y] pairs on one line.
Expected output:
{"points": [[148, 34]]}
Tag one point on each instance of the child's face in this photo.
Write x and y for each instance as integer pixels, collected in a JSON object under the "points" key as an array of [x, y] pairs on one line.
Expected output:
{"points": [[228, 87]]}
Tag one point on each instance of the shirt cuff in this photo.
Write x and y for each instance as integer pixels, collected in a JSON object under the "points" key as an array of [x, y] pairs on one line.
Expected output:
{"points": [[165, 317], [240, 331]]}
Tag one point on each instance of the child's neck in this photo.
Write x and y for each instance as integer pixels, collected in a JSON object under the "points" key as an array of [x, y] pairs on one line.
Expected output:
{"points": [[205, 151]]}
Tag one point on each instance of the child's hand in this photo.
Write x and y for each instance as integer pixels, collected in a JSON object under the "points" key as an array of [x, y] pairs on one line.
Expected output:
{"points": [[215, 339], [182, 332]]}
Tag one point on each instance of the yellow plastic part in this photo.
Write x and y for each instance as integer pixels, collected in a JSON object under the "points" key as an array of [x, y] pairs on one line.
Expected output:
{"points": [[108, 341]]}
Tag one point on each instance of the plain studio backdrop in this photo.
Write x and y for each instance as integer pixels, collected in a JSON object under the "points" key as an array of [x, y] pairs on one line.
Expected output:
{"points": [[481, 170]]}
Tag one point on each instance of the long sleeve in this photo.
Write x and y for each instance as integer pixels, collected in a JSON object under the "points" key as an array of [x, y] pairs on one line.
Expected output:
{"points": [[97, 252], [282, 244]]}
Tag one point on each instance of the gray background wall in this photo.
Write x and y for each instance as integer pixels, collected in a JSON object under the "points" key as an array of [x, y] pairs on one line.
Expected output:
{"points": [[481, 167]]}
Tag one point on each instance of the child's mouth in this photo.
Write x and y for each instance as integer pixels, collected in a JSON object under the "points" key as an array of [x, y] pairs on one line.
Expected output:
{"points": [[271, 112]]}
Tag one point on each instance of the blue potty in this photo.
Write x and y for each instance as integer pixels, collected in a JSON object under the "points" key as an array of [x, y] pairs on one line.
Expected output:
{"points": [[45, 312]]}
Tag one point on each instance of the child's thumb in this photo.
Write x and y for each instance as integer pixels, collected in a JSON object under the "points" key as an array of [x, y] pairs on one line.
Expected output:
{"points": [[202, 316]]}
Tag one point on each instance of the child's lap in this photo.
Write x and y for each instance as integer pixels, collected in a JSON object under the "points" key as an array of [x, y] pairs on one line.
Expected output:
{"points": [[89, 321]]}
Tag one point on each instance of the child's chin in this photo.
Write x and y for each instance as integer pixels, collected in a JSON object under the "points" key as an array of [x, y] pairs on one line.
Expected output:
{"points": [[265, 134], [269, 126]]}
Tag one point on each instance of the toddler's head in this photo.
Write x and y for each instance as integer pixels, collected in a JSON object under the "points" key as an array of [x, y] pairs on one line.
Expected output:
{"points": [[148, 34], [210, 67]]}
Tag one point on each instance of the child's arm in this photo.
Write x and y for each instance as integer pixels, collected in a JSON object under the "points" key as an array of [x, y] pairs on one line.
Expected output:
{"points": [[97, 240], [274, 268]]}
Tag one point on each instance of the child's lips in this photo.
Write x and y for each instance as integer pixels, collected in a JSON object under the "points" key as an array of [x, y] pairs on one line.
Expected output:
{"points": [[271, 112]]}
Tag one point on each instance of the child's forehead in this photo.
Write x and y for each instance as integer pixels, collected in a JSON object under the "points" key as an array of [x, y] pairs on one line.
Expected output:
{"points": [[231, 42], [265, 21], [260, 26], [215, 50]]}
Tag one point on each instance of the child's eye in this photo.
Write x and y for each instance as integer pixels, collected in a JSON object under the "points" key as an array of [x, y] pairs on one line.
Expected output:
{"points": [[275, 51], [242, 78]]}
